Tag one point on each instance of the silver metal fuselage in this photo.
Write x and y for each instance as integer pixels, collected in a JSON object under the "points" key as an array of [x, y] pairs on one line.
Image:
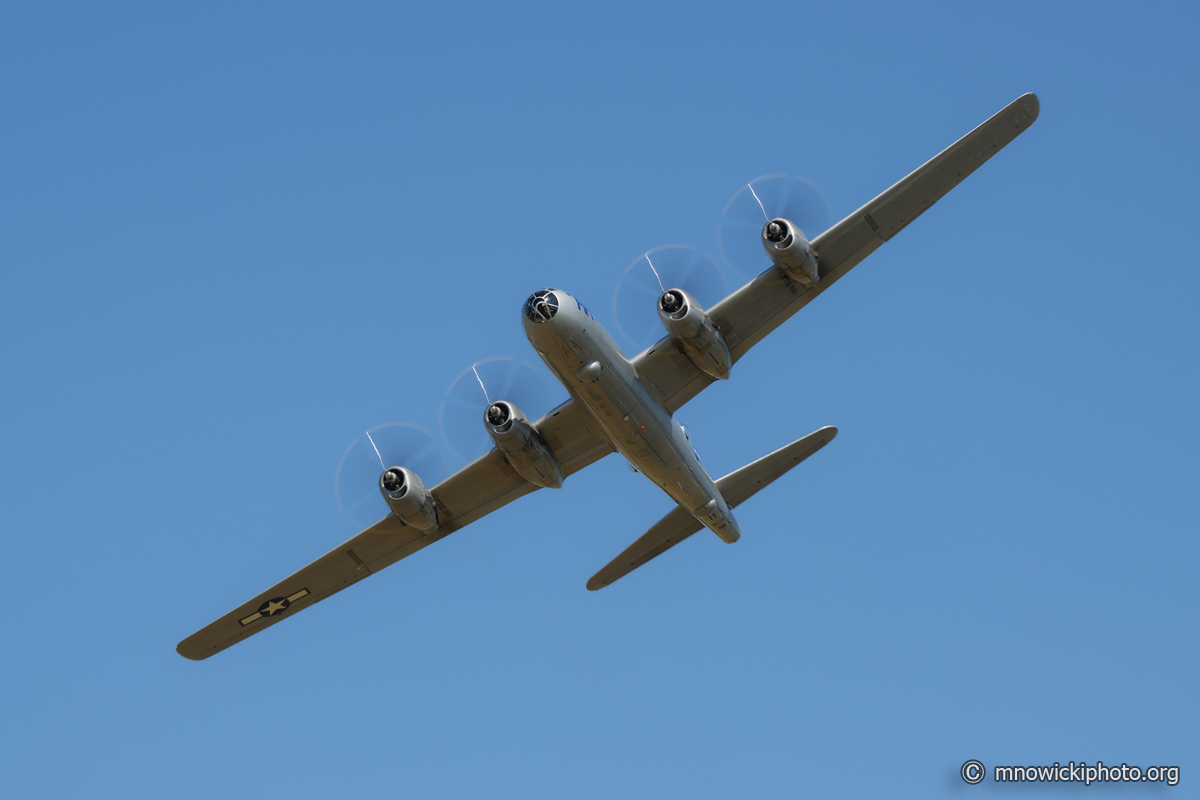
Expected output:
{"points": [[588, 363]]}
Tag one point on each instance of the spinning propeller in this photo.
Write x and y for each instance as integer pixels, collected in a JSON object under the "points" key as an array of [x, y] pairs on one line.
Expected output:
{"points": [[473, 393], [356, 483], [673, 266], [739, 231]]}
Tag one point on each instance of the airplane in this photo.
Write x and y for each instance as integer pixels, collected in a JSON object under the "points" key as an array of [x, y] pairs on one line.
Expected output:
{"points": [[627, 405]]}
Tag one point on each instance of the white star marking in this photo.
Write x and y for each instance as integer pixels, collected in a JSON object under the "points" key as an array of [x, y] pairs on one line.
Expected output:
{"points": [[275, 605], [272, 607]]}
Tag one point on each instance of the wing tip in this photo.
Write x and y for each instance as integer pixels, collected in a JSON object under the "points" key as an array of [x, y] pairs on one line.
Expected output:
{"points": [[194, 650], [189, 653], [1032, 106], [595, 584]]}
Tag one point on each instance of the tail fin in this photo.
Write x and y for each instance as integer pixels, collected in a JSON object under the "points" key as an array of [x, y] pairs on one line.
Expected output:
{"points": [[736, 487]]}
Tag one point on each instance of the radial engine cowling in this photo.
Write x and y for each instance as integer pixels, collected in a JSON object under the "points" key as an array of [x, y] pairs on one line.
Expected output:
{"points": [[694, 332], [790, 251], [521, 445], [408, 498]]}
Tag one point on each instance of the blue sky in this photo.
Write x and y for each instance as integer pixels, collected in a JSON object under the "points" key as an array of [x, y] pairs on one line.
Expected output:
{"points": [[235, 237]]}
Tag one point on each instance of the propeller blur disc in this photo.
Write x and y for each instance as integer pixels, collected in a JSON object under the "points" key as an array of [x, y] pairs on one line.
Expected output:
{"points": [[460, 415], [739, 231], [356, 483], [672, 266]]}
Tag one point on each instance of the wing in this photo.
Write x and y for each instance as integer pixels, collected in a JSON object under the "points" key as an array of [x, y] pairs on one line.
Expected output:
{"points": [[745, 317], [737, 487], [473, 492]]}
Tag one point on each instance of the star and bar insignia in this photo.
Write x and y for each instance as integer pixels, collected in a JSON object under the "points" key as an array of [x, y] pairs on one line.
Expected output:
{"points": [[274, 607]]}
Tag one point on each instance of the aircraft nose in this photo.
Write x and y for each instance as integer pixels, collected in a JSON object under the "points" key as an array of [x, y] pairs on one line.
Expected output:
{"points": [[541, 306]]}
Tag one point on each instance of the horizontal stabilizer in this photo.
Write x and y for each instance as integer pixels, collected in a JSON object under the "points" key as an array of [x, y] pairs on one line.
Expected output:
{"points": [[736, 488]]}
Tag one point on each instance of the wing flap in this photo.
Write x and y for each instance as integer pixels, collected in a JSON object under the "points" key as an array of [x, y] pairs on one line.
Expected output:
{"points": [[737, 487]]}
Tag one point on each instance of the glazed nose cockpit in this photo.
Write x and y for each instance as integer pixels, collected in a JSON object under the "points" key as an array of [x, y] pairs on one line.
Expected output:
{"points": [[541, 306]]}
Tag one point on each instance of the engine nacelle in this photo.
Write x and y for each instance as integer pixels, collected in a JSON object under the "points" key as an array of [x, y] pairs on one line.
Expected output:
{"points": [[408, 498], [521, 445], [694, 332], [790, 251]]}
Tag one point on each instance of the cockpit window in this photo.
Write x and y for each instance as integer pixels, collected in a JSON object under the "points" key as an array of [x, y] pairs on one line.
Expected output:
{"points": [[541, 306]]}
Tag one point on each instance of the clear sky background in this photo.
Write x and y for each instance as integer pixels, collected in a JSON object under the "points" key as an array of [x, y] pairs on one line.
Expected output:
{"points": [[234, 236]]}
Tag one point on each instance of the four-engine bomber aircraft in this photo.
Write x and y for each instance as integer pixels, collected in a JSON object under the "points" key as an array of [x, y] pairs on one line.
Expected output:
{"points": [[626, 406]]}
